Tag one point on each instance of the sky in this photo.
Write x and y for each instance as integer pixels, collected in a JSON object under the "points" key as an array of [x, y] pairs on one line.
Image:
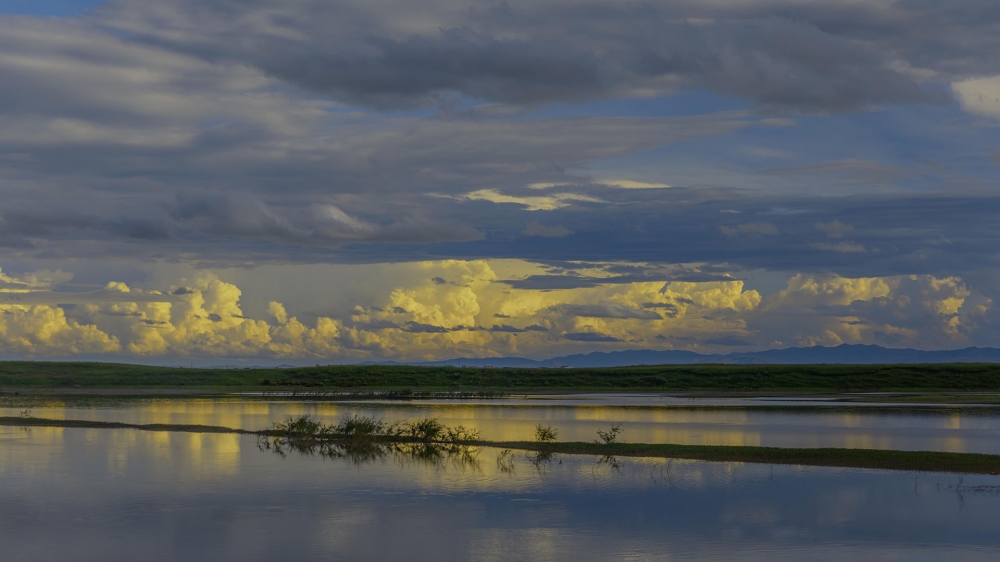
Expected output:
{"points": [[316, 181]]}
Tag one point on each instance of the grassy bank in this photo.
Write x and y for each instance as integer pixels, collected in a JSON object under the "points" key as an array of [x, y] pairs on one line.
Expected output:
{"points": [[428, 433], [732, 378], [924, 461]]}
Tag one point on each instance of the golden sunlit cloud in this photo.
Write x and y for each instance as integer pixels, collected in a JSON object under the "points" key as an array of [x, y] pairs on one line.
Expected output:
{"points": [[530, 203], [481, 308]]}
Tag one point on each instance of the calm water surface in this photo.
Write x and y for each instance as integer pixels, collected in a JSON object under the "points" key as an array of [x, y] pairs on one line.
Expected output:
{"points": [[647, 418], [109, 495]]}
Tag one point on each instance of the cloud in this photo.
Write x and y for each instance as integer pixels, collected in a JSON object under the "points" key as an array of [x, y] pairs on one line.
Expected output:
{"points": [[530, 203], [840, 247], [45, 330], [110, 141], [554, 282], [535, 228], [204, 316], [412, 326], [834, 229], [670, 310], [33, 281], [226, 214], [144, 137], [606, 310], [979, 95], [592, 337], [750, 228], [809, 57], [629, 184], [763, 152], [899, 311], [853, 169]]}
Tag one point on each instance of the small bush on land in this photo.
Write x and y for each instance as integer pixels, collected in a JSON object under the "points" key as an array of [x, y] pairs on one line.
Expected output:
{"points": [[364, 427], [545, 434], [611, 435], [427, 429], [459, 434], [302, 425]]}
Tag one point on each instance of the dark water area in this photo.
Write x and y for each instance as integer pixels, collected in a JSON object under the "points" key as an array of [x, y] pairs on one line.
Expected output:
{"points": [[110, 495]]}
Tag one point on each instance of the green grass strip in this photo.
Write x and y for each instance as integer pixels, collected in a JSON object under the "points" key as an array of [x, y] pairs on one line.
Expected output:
{"points": [[923, 461], [962, 377]]}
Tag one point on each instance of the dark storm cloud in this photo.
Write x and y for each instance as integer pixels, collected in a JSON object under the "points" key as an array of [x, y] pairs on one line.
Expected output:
{"points": [[817, 56], [669, 310], [227, 214], [896, 234], [554, 282], [387, 73], [178, 134], [28, 227], [418, 327], [590, 337], [513, 330]]}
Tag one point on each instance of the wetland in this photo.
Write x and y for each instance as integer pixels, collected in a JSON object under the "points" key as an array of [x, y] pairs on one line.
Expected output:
{"points": [[194, 476]]}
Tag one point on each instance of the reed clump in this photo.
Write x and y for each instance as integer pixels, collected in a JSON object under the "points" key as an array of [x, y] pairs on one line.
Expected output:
{"points": [[359, 428], [546, 434], [363, 439], [610, 436], [302, 426]]}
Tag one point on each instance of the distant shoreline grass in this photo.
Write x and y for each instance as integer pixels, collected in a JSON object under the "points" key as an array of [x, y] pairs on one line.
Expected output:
{"points": [[921, 461], [962, 377]]}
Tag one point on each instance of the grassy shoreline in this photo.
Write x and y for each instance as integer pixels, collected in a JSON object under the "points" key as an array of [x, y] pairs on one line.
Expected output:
{"points": [[921, 461], [965, 377]]}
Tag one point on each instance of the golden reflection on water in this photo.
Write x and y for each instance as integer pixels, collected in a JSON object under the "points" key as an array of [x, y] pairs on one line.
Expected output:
{"points": [[511, 421], [45, 446], [500, 545], [848, 419], [954, 445], [121, 445], [198, 455], [214, 453]]}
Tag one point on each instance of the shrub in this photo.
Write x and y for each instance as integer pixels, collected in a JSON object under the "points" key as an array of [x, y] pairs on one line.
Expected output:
{"points": [[302, 425], [356, 426], [460, 434], [611, 435], [545, 434], [427, 429]]}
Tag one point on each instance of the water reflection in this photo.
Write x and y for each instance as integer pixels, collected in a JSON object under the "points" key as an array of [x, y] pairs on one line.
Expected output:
{"points": [[77, 494], [939, 428], [360, 453]]}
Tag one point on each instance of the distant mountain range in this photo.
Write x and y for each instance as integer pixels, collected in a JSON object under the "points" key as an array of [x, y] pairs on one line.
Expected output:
{"points": [[848, 354]]}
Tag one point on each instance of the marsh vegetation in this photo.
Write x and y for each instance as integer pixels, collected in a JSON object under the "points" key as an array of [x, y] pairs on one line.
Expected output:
{"points": [[362, 439]]}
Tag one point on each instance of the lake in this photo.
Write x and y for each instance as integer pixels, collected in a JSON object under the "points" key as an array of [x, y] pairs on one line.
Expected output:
{"points": [[101, 494]]}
